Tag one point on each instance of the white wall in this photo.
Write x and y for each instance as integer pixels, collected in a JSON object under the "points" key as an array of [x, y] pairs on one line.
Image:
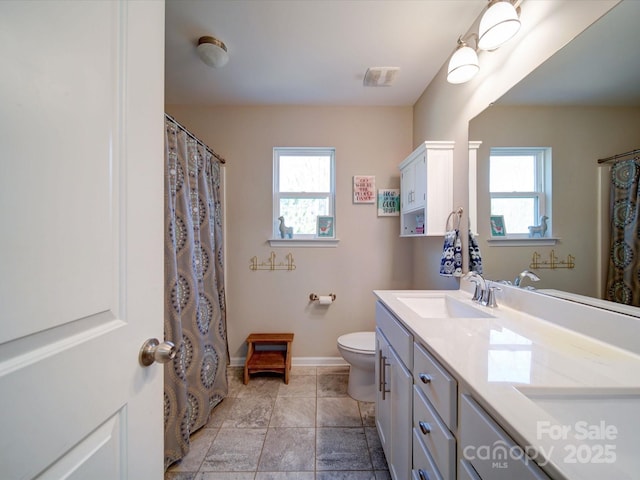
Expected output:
{"points": [[370, 255], [443, 111]]}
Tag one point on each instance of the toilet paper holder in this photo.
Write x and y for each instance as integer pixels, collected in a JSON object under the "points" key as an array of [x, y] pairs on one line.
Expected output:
{"points": [[313, 297]]}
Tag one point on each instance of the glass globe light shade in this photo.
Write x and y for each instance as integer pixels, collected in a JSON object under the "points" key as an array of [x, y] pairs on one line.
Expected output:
{"points": [[213, 52], [498, 25], [463, 65]]}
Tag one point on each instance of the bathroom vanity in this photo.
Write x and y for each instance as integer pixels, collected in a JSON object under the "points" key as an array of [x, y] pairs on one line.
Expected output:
{"points": [[527, 390]]}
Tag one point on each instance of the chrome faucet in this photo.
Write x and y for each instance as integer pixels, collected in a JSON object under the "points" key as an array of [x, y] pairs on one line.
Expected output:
{"points": [[483, 295], [481, 285], [525, 274]]}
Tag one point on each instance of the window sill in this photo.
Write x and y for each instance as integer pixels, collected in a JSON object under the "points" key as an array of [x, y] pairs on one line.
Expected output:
{"points": [[307, 242], [522, 242]]}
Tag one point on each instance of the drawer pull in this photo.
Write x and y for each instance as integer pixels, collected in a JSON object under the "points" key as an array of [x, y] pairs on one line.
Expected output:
{"points": [[424, 427], [423, 475], [383, 382], [381, 371], [425, 378]]}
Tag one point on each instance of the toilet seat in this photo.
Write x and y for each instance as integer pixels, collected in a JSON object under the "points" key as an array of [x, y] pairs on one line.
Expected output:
{"points": [[359, 342]]}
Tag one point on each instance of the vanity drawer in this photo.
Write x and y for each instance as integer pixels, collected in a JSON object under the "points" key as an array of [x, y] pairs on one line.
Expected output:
{"points": [[434, 434], [438, 386], [424, 467], [478, 430], [399, 337]]}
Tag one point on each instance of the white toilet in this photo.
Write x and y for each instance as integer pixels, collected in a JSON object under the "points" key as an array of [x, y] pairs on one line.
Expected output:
{"points": [[359, 350]]}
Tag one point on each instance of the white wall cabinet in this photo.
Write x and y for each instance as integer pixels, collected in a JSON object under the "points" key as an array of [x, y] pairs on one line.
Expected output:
{"points": [[426, 189], [394, 395]]}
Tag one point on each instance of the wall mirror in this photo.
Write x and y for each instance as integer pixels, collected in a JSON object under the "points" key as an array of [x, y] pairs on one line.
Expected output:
{"points": [[583, 103]]}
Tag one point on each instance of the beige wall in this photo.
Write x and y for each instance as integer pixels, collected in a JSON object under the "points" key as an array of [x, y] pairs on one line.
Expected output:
{"points": [[443, 111], [578, 136], [370, 255]]}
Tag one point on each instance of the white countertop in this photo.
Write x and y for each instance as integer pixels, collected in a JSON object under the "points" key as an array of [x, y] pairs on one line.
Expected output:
{"points": [[572, 397]]}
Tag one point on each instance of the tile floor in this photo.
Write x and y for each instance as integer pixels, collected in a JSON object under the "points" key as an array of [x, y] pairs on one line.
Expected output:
{"points": [[309, 429]]}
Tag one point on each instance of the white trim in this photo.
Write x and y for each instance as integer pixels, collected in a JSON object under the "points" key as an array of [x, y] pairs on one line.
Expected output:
{"points": [[522, 242], [301, 242], [301, 362]]}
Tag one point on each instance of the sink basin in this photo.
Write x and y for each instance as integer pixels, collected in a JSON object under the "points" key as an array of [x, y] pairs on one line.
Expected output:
{"points": [[442, 306], [598, 427]]}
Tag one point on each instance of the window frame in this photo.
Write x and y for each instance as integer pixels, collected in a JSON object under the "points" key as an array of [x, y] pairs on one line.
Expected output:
{"points": [[279, 152], [542, 194]]}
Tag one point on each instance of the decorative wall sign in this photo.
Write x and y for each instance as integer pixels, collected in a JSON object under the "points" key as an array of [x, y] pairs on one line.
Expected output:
{"points": [[498, 228], [364, 189], [324, 227], [388, 202]]}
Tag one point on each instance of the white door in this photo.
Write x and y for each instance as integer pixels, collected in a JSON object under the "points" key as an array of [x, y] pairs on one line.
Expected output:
{"points": [[81, 239]]}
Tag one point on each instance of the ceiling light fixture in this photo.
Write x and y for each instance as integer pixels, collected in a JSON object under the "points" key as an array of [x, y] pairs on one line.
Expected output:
{"points": [[463, 65], [213, 52], [498, 24]]}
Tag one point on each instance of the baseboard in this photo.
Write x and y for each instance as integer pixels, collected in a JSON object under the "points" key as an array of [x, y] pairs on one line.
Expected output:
{"points": [[301, 362]]}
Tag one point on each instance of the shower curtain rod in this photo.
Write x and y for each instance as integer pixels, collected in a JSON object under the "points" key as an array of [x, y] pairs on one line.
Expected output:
{"points": [[619, 155], [220, 158]]}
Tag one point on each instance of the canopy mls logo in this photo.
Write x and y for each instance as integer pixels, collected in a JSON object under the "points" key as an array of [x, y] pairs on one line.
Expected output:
{"points": [[500, 453]]}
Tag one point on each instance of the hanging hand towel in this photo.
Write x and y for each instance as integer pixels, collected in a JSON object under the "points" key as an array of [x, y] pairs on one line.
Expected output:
{"points": [[451, 262], [475, 259]]}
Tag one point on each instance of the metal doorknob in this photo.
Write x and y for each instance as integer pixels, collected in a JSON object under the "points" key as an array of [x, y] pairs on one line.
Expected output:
{"points": [[154, 351]]}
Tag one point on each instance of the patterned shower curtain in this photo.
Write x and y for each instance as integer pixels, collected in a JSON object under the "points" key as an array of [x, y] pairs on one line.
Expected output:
{"points": [[623, 283], [195, 316]]}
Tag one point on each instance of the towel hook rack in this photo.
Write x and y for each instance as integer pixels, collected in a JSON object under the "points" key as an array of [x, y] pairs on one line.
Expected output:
{"points": [[457, 212]]}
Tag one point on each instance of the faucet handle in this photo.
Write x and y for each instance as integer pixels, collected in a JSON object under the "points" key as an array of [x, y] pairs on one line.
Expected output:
{"points": [[491, 297]]}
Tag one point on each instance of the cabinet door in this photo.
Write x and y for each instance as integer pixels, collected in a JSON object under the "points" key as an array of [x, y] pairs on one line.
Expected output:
{"points": [[420, 182], [401, 382], [407, 187], [383, 400]]}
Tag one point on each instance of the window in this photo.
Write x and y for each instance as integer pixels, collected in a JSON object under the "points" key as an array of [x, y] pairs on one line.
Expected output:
{"points": [[303, 189], [520, 188]]}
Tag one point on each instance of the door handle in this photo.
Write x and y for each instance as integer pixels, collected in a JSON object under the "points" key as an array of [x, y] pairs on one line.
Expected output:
{"points": [[154, 351], [425, 377], [423, 475]]}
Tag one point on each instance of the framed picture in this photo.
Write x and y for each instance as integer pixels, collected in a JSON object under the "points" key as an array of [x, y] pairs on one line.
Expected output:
{"points": [[324, 227], [497, 226], [388, 202], [364, 189]]}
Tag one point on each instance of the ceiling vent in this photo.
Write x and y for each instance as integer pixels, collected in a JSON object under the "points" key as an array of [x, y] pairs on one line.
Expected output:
{"points": [[380, 76]]}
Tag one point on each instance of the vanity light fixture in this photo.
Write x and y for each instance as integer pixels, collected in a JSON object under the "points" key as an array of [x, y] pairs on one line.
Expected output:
{"points": [[212, 51], [463, 64], [498, 24]]}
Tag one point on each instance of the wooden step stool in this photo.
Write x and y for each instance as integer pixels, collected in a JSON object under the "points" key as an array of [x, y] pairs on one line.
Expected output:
{"points": [[265, 359]]}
